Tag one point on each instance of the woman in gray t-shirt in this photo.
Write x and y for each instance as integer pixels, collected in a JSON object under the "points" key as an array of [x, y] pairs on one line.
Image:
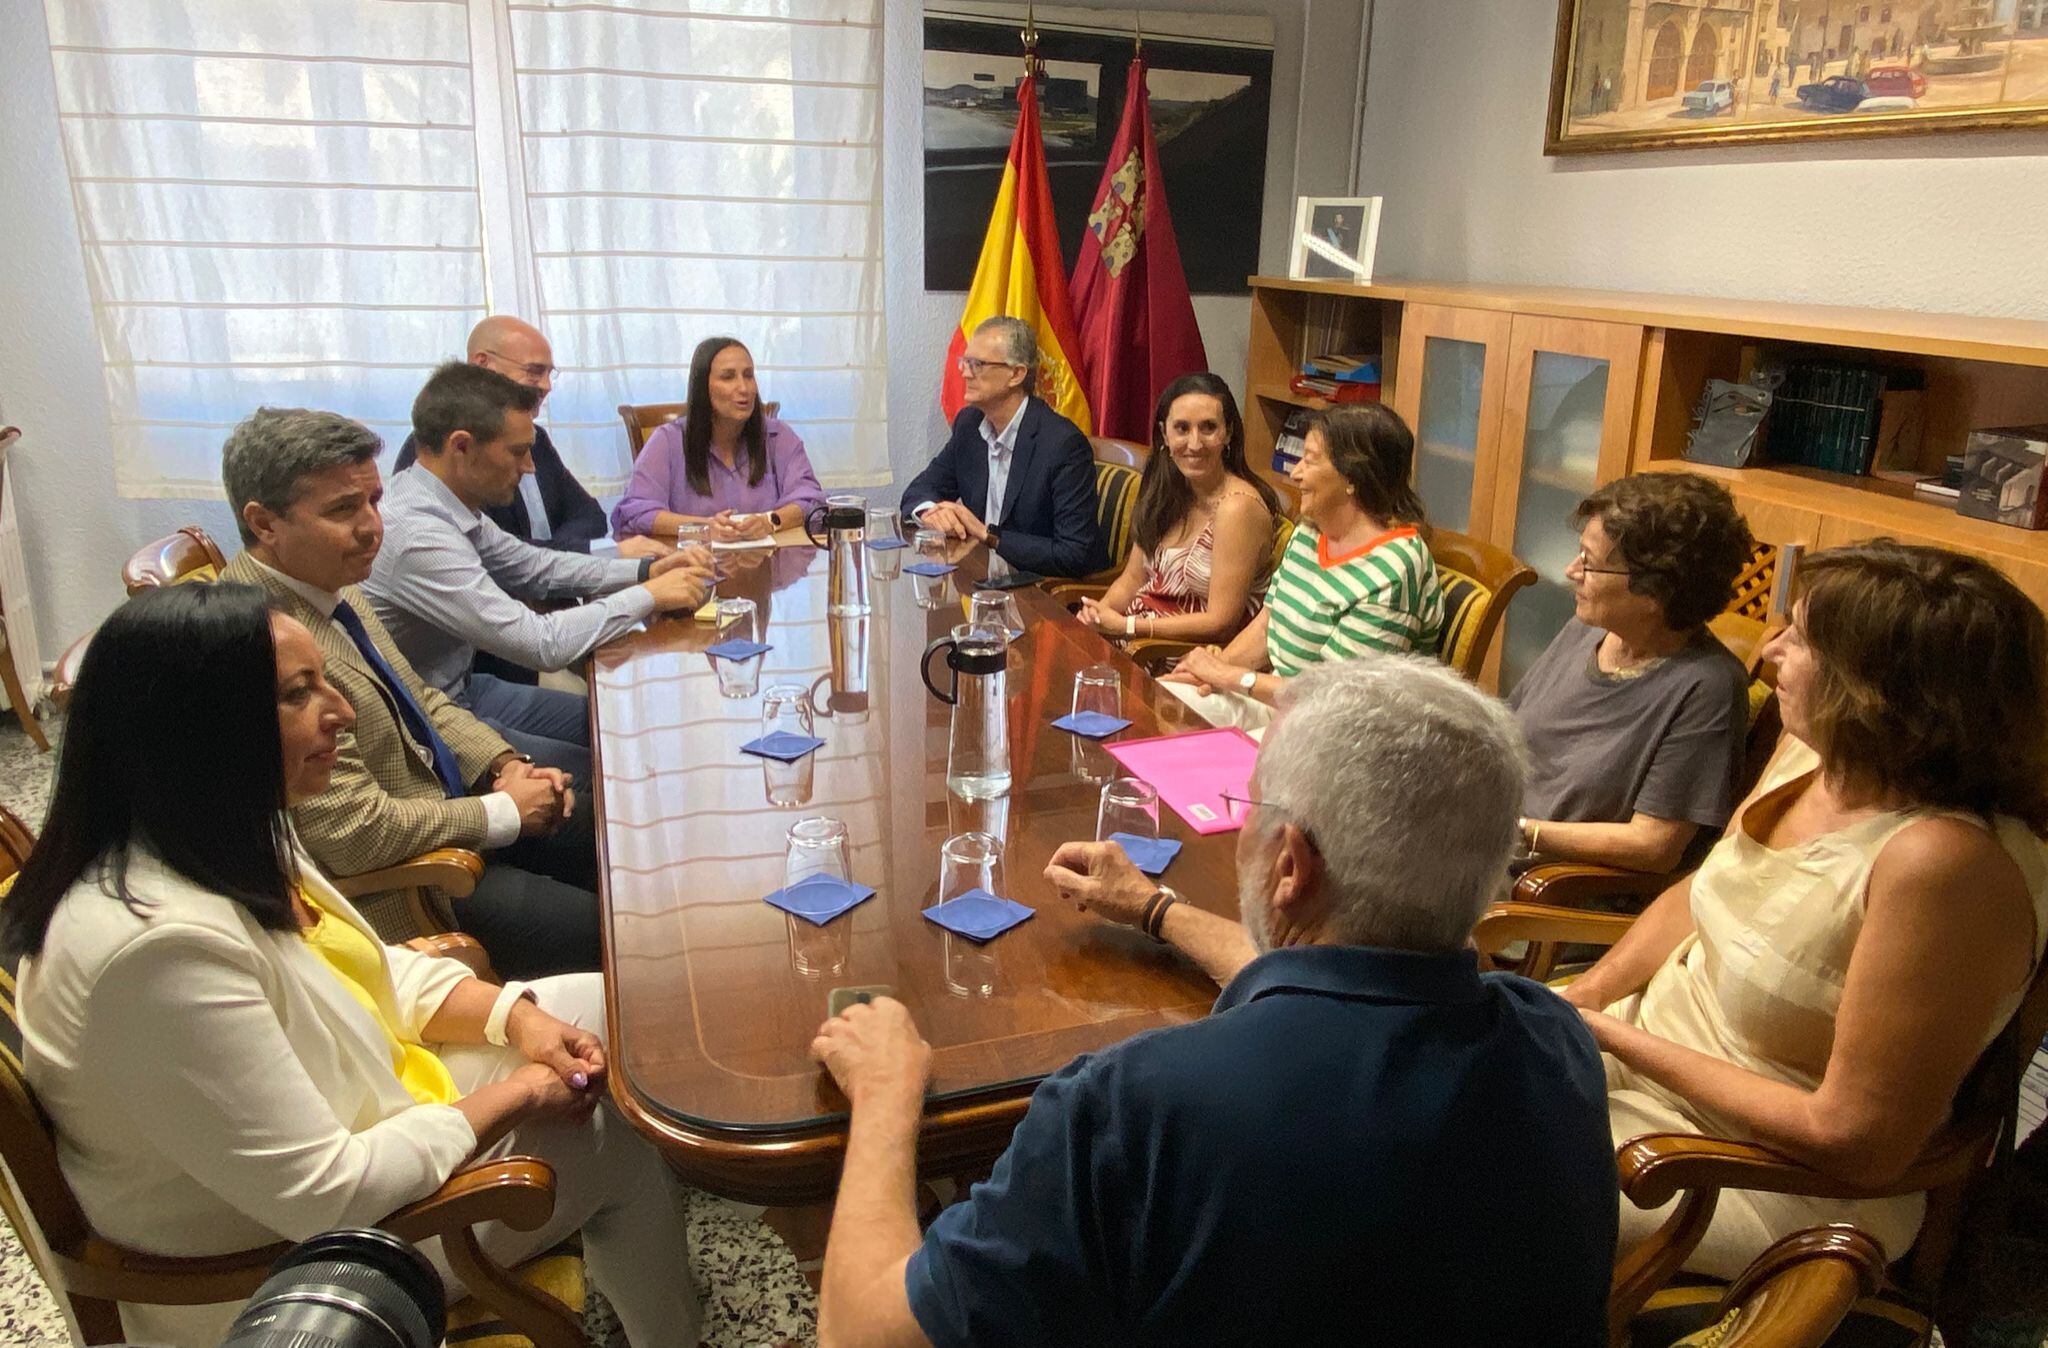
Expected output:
{"points": [[1636, 714]]}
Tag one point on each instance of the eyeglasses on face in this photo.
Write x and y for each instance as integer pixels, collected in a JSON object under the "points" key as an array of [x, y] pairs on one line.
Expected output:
{"points": [[1586, 566], [535, 371], [972, 366]]}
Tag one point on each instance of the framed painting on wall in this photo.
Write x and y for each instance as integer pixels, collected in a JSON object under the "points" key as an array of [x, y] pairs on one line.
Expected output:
{"points": [[1653, 74]]}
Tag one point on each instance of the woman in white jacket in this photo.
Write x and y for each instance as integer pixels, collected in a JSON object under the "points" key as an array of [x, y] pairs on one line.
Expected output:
{"points": [[229, 1055]]}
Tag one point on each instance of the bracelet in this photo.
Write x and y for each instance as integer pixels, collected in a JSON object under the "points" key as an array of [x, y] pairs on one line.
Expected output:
{"points": [[1532, 834], [1130, 624], [501, 1011], [1155, 912]]}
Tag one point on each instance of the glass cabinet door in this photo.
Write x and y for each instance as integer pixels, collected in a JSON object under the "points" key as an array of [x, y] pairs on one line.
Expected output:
{"points": [[1453, 362], [1569, 412]]}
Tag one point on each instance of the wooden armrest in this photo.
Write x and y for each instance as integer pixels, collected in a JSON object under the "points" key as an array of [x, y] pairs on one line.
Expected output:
{"points": [[1796, 1292], [1072, 592], [1506, 923], [518, 1191], [1157, 655], [455, 945], [452, 870], [1655, 1166], [1565, 884]]}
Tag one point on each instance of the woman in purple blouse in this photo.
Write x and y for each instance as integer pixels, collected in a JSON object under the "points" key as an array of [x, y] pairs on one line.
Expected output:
{"points": [[736, 469]]}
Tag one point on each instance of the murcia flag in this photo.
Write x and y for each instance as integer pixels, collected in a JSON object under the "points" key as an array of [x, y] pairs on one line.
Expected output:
{"points": [[1019, 275], [1136, 322]]}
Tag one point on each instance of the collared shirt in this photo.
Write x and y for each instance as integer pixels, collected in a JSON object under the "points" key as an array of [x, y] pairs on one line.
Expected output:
{"points": [[449, 582], [536, 509], [661, 482], [1358, 1146], [1002, 446], [501, 812]]}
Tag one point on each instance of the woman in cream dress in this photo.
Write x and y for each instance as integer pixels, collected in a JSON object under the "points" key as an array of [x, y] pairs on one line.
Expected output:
{"points": [[1871, 920]]}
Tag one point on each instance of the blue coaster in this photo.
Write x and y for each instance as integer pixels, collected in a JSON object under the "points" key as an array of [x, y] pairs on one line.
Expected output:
{"points": [[1094, 725], [1150, 855], [818, 899], [978, 915], [738, 649], [884, 544], [786, 745], [930, 568]]}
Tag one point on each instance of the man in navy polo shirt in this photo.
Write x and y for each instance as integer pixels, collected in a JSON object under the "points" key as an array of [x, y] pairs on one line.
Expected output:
{"points": [[1369, 1141]]}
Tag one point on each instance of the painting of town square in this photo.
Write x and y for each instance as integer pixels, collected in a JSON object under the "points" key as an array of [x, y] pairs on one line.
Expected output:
{"points": [[1638, 73]]}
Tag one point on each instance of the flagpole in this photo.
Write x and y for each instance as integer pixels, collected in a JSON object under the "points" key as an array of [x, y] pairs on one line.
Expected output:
{"points": [[1033, 67]]}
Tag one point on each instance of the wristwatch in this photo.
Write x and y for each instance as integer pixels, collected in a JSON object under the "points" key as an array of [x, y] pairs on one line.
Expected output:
{"points": [[1248, 680], [995, 537]]}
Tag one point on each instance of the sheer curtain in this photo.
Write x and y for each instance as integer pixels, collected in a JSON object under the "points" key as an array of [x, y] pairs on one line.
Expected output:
{"points": [[309, 205], [693, 169], [278, 205]]}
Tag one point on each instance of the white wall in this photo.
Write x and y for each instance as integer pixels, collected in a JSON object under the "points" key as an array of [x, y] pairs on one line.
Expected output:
{"points": [[1315, 78], [1458, 91]]}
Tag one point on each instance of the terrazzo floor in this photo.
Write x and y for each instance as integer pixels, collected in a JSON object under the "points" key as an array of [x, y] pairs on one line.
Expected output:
{"points": [[757, 1292]]}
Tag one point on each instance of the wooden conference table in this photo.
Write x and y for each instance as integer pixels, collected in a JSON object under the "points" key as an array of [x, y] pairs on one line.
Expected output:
{"points": [[711, 1021]]}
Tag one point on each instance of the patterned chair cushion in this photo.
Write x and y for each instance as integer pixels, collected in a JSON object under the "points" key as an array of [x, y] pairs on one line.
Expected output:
{"points": [[1116, 501], [559, 1273], [1464, 600]]}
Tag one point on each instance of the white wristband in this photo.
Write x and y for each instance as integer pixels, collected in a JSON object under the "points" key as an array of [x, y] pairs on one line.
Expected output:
{"points": [[1130, 623], [501, 1011]]}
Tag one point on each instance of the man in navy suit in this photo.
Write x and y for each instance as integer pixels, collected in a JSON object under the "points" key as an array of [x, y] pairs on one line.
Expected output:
{"points": [[1014, 474]]}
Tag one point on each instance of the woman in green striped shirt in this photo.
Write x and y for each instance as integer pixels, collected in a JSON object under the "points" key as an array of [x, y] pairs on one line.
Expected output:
{"points": [[1357, 576]]}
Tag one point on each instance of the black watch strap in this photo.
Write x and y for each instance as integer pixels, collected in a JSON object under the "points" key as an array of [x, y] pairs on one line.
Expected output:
{"points": [[646, 569]]}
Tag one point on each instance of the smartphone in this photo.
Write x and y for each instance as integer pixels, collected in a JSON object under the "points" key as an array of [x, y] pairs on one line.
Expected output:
{"points": [[842, 998], [1015, 580]]}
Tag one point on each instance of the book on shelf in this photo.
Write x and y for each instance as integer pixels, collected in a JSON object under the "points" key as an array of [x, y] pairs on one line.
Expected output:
{"points": [[1845, 416], [1352, 369], [1293, 437], [1334, 390]]}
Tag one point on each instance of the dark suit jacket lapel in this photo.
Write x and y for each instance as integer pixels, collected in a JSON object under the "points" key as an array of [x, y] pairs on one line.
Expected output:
{"points": [[1020, 457]]}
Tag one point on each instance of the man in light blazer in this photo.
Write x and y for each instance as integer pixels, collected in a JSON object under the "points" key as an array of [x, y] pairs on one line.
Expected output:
{"points": [[417, 772], [1014, 474]]}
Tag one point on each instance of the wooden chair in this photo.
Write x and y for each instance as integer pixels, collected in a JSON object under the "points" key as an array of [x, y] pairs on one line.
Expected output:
{"points": [[1742, 628], [644, 419], [187, 555], [1157, 655], [429, 882], [540, 1303], [17, 696], [1129, 453], [65, 676], [1793, 1296], [1478, 580], [1956, 1166]]}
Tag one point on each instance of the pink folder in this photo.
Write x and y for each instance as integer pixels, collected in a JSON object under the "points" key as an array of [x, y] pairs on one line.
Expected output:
{"points": [[1191, 771]]}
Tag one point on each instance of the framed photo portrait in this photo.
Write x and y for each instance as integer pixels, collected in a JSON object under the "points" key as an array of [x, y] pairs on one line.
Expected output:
{"points": [[1335, 238]]}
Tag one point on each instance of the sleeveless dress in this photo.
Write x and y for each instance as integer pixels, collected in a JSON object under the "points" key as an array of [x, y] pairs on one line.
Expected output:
{"points": [[1177, 581], [1758, 983]]}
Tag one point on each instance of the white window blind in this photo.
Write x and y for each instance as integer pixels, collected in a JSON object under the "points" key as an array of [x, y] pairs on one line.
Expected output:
{"points": [[309, 205], [704, 167]]}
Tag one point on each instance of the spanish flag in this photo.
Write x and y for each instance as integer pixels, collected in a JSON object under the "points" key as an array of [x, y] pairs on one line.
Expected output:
{"points": [[1020, 275]]}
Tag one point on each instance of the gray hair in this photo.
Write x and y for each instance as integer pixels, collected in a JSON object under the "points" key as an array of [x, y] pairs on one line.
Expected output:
{"points": [[1408, 780], [269, 455], [1020, 345]]}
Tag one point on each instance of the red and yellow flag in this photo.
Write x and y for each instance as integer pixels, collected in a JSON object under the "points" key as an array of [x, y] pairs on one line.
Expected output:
{"points": [[1020, 275]]}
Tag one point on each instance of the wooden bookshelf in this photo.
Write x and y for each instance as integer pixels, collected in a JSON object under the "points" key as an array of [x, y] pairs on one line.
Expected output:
{"points": [[1978, 372]]}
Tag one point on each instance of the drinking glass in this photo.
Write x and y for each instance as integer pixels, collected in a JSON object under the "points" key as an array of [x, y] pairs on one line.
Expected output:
{"points": [[997, 609], [1089, 761], [692, 531], [1128, 806], [885, 564], [786, 707], [736, 620], [884, 522], [817, 846], [932, 592], [738, 679], [930, 543], [1099, 688], [970, 861]]}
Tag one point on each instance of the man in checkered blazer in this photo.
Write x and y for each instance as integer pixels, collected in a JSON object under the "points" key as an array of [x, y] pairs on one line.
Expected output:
{"points": [[417, 772]]}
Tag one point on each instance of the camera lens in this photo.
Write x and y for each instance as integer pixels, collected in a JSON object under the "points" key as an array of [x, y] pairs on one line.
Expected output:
{"points": [[345, 1289]]}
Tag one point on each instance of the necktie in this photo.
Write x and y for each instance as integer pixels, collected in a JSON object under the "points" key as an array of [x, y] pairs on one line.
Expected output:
{"points": [[416, 723]]}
